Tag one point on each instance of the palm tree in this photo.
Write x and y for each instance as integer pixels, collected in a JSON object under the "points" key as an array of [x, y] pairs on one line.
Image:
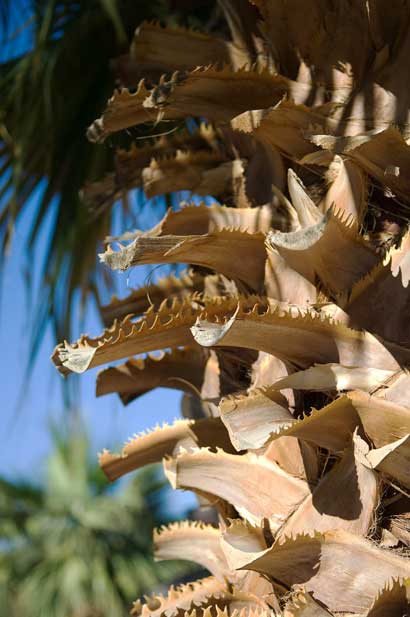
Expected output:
{"points": [[74, 547], [289, 333]]}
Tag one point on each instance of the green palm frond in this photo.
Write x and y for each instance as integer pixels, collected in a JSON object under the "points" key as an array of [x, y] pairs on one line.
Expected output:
{"points": [[72, 547], [49, 93]]}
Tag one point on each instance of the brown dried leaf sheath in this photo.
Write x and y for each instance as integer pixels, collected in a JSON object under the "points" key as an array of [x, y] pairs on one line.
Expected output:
{"points": [[245, 263], [142, 299], [335, 566], [251, 419], [345, 498], [165, 50], [181, 369], [217, 95], [167, 327], [198, 542], [163, 441], [330, 251], [298, 337], [255, 486], [331, 427]]}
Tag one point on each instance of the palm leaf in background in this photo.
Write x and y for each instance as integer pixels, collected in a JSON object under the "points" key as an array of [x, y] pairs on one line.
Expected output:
{"points": [[72, 546], [54, 79]]}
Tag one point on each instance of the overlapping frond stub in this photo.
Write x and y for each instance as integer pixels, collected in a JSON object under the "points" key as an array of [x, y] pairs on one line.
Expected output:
{"points": [[298, 336], [164, 50], [140, 300], [195, 542], [235, 479], [169, 326], [330, 250], [250, 419], [217, 94], [335, 566], [331, 427], [181, 598], [349, 492], [237, 254], [130, 163], [151, 447], [181, 369], [325, 377]]}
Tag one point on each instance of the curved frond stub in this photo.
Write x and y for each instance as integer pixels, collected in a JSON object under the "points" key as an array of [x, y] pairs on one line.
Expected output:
{"points": [[180, 598], [242, 543], [189, 284], [185, 232], [256, 487], [205, 92], [297, 457], [284, 283], [167, 327], [303, 605], [347, 190], [343, 571], [180, 369], [390, 279], [266, 370], [239, 255], [296, 335], [201, 173], [393, 460], [306, 209], [328, 377], [251, 419], [164, 50], [195, 542], [397, 389], [205, 598], [147, 448], [252, 220], [140, 300], [331, 251], [201, 219], [332, 426], [385, 155], [345, 498], [284, 127], [151, 447], [129, 163]]}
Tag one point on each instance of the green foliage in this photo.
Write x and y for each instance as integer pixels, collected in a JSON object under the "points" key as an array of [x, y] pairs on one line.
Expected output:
{"points": [[73, 547], [55, 78], [49, 94]]}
